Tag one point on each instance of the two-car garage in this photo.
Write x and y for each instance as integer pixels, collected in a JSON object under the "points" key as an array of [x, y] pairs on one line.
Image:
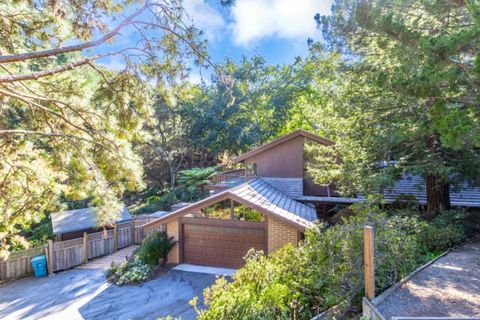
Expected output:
{"points": [[222, 243]]}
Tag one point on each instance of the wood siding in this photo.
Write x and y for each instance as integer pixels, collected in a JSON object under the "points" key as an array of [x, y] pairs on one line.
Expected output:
{"points": [[282, 161], [310, 188]]}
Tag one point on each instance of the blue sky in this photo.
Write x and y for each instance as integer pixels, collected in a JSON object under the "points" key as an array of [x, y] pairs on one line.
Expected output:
{"points": [[276, 29]]}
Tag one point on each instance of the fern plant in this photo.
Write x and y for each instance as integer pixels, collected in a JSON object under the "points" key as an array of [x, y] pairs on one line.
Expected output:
{"points": [[155, 247], [194, 179]]}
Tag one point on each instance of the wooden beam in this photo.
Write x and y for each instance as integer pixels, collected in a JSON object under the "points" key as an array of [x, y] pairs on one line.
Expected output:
{"points": [[369, 264], [232, 209], [225, 223]]}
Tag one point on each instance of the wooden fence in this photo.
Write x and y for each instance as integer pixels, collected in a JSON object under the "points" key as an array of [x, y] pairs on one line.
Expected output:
{"points": [[63, 255], [140, 233], [19, 263]]}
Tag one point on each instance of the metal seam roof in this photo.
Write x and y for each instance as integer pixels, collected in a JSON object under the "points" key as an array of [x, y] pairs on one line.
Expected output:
{"points": [[259, 195]]}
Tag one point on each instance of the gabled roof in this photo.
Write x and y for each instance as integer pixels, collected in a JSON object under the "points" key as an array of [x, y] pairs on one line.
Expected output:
{"points": [[283, 139], [80, 219], [462, 196], [258, 195]]}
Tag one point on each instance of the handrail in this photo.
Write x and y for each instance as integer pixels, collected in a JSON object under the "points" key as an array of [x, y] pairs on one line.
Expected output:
{"points": [[228, 175]]}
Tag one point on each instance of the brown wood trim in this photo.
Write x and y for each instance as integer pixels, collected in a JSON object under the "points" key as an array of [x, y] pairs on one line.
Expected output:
{"points": [[181, 242], [224, 223], [266, 234], [283, 139], [216, 187]]}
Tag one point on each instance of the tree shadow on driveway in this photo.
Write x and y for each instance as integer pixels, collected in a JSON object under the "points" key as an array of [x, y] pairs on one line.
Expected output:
{"points": [[46, 298], [168, 295]]}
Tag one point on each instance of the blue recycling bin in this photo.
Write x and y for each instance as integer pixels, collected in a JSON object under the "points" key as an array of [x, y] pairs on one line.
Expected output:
{"points": [[39, 264]]}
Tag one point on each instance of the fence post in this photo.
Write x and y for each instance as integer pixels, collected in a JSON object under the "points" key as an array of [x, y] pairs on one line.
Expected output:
{"points": [[85, 247], [115, 238], [133, 232], [369, 264], [50, 257]]}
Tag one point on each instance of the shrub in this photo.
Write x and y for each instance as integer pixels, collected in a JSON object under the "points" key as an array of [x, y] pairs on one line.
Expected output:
{"points": [[327, 268], [140, 267], [260, 290], [136, 271], [128, 272], [154, 247], [158, 202], [245, 213], [448, 229]]}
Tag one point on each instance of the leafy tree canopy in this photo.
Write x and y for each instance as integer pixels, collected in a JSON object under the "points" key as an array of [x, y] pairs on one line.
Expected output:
{"points": [[67, 124], [406, 91]]}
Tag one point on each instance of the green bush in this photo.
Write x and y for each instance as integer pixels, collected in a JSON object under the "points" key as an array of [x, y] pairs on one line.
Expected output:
{"points": [[245, 213], [154, 247], [129, 272], [449, 229], [136, 271], [144, 260], [41, 234], [327, 268], [158, 202]]}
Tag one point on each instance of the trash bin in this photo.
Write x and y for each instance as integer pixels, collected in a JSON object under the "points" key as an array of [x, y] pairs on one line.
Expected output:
{"points": [[39, 264]]}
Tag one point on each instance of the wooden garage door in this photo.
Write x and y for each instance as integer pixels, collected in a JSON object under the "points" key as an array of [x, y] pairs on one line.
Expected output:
{"points": [[221, 243]]}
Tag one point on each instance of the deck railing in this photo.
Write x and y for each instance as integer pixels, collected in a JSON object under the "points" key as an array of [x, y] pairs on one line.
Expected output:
{"points": [[229, 177]]}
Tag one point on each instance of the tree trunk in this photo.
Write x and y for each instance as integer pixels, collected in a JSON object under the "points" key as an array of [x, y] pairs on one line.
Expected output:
{"points": [[438, 196], [438, 190], [172, 177]]}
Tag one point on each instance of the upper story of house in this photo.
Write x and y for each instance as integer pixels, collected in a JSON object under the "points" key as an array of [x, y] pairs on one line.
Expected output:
{"points": [[281, 162]]}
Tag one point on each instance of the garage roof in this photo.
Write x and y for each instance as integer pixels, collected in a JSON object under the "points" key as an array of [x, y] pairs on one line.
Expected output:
{"points": [[258, 195], [81, 219]]}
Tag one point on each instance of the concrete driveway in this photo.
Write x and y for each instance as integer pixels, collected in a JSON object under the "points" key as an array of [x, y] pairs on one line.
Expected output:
{"points": [[83, 293]]}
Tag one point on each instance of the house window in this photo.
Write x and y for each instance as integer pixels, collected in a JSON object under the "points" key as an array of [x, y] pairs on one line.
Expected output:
{"points": [[252, 169]]}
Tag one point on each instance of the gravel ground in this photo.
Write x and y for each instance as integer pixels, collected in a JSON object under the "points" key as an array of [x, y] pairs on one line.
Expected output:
{"points": [[450, 287]]}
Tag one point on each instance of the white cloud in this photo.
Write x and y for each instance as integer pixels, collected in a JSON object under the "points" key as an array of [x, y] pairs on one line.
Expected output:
{"points": [[195, 77], [206, 18], [254, 20], [115, 63]]}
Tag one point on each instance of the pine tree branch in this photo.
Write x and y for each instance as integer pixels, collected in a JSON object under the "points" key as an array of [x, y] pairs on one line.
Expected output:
{"points": [[48, 134], [74, 48]]}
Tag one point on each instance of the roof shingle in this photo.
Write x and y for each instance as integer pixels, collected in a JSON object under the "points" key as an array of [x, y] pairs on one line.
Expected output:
{"points": [[80, 219]]}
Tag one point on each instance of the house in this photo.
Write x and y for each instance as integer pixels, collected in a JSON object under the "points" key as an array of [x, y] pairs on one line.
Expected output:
{"points": [[273, 183], [463, 195], [72, 224]]}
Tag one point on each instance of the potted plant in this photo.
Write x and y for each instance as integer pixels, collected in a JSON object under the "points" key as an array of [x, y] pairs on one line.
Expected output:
{"points": [[155, 248]]}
